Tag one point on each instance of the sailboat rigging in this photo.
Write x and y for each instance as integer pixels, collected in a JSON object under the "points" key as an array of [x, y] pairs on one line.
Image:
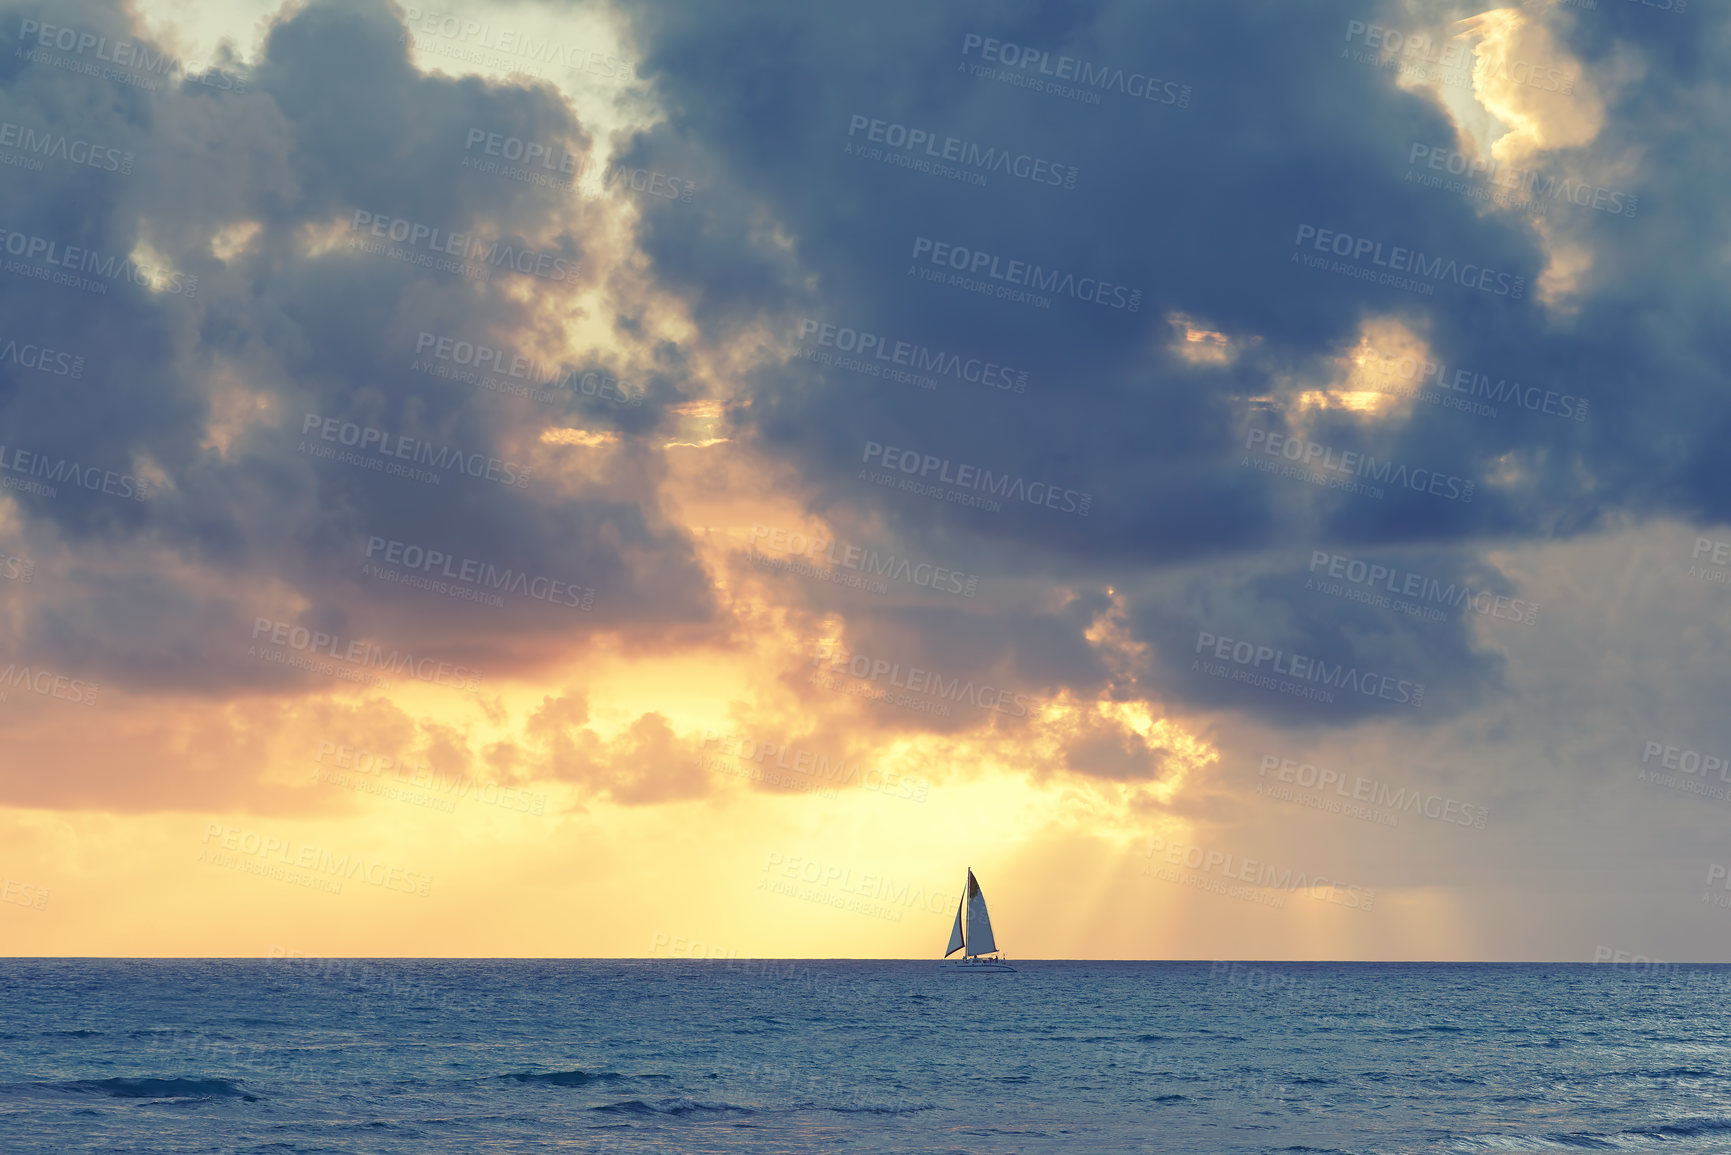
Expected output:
{"points": [[972, 934]]}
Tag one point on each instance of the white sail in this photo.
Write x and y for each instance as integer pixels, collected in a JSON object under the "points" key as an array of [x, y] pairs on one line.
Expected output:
{"points": [[979, 923], [955, 933]]}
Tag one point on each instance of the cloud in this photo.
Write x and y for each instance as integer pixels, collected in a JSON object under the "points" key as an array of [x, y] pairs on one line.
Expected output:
{"points": [[236, 401]]}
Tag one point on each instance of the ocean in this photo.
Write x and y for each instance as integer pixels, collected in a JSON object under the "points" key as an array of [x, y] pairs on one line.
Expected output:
{"points": [[483, 1057]]}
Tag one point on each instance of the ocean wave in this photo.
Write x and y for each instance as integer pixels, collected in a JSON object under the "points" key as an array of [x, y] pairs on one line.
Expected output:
{"points": [[567, 1078], [869, 1109], [1541, 1143], [1596, 1140], [175, 1033], [149, 1088], [1683, 1128], [663, 1107]]}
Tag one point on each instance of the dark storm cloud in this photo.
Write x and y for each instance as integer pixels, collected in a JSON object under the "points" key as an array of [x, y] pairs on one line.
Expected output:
{"points": [[1174, 201], [1292, 644], [209, 395], [1201, 208]]}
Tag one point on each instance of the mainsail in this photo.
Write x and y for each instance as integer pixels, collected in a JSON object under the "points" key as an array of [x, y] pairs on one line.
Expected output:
{"points": [[956, 942], [979, 923]]}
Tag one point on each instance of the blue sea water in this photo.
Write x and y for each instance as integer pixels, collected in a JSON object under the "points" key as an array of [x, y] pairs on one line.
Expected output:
{"points": [[482, 1057]]}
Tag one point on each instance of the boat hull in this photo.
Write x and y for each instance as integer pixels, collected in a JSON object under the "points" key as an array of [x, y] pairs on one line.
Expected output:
{"points": [[978, 966]]}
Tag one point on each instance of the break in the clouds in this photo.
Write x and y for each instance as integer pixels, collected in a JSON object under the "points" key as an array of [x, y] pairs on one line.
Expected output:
{"points": [[1100, 400]]}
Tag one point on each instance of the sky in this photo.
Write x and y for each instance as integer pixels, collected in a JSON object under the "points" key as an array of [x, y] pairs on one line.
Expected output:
{"points": [[693, 479]]}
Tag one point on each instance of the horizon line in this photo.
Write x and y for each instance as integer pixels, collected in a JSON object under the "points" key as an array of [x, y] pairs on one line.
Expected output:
{"points": [[1639, 960]]}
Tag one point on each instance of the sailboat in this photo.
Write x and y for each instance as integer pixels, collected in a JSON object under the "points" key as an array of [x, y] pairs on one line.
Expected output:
{"points": [[972, 935]]}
